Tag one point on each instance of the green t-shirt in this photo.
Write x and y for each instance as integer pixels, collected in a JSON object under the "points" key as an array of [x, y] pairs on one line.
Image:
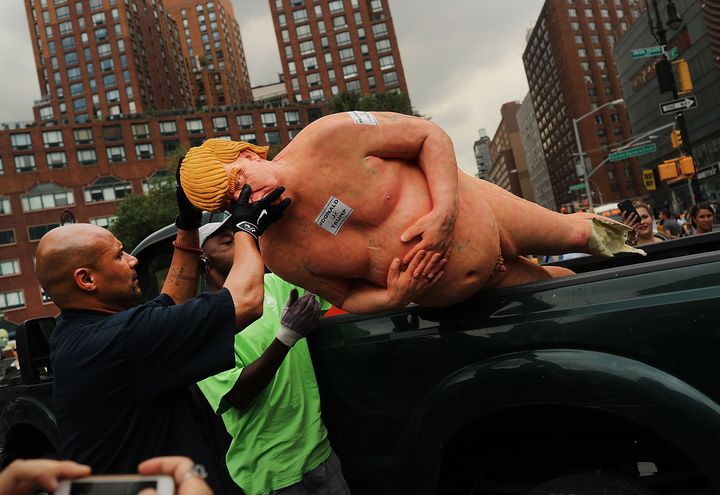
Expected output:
{"points": [[280, 436]]}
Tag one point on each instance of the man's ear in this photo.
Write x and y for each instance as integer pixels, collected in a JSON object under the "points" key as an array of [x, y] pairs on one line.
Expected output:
{"points": [[250, 155], [84, 279]]}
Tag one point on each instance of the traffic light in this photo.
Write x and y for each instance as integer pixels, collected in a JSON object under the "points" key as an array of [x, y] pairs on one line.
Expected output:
{"points": [[676, 138], [684, 78], [687, 166], [668, 170], [666, 80]]}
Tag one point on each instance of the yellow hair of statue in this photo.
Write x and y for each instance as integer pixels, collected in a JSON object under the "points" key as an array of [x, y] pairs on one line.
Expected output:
{"points": [[202, 176]]}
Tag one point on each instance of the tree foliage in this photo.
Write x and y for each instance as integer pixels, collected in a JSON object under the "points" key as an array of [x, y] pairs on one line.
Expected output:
{"points": [[389, 101]]}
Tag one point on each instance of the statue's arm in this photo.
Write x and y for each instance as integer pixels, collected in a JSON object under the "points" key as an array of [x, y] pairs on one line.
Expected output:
{"points": [[424, 143]]}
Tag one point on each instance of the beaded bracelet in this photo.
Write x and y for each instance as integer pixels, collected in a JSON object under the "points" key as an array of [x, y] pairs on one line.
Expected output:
{"points": [[188, 249]]}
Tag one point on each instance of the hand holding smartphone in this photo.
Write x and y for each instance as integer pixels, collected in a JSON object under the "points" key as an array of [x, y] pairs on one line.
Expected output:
{"points": [[626, 208], [117, 485]]}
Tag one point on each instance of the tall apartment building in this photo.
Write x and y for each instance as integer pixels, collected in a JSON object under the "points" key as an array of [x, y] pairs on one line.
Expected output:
{"points": [[481, 149], [571, 71], [534, 155], [104, 58], [211, 41], [509, 168], [697, 40], [330, 46]]}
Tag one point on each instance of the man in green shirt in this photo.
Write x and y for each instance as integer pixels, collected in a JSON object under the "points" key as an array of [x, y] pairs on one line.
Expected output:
{"points": [[270, 402]]}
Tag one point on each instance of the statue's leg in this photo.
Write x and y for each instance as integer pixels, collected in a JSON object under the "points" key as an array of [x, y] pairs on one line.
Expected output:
{"points": [[528, 228], [522, 271]]}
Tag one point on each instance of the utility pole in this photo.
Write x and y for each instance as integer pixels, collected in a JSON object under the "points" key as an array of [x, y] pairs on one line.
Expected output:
{"points": [[666, 80]]}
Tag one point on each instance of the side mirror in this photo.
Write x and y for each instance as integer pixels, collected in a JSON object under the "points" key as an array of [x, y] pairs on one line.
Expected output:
{"points": [[34, 350]]}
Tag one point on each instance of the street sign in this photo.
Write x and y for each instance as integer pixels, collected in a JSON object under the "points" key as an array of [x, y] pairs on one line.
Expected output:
{"points": [[672, 54], [577, 187], [678, 105], [649, 179], [651, 51], [709, 171], [632, 152]]}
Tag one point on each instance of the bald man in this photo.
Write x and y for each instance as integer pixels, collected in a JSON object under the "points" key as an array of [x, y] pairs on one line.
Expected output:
{"points": [[121, 370], [369, 187]]}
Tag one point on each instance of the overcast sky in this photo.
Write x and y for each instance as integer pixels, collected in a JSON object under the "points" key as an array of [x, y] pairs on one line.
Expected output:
{"points": [[462, 59]]}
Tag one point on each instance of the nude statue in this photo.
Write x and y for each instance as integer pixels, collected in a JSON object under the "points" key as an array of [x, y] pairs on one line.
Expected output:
{"points": [[369, 187]]}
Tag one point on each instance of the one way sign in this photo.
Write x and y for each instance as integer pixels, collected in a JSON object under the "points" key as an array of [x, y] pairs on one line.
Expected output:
{"points": [[678, 105]]}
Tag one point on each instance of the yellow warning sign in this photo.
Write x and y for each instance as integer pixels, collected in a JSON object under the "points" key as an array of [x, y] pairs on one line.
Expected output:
{"points": [[649, 179]]}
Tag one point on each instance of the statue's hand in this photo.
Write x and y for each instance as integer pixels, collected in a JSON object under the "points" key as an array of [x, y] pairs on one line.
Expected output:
{"points": [[423, 271], [435, 231]]}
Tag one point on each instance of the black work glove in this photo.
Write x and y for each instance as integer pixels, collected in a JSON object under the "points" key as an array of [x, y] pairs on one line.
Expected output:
{"points": [[299, 318], [254, 218], [189, 217]]}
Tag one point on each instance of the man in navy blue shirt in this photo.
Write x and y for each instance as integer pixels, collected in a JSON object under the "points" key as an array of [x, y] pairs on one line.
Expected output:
{"points": [[121, 370]]}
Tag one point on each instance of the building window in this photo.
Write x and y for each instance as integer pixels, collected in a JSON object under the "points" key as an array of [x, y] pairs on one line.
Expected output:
{"points": [[83, 136], [7, 237], [36, 232], [379, 30], [107, 188], [292, 118], [272, 137], [5, 208], [220, 123], [45, 196], [343, 38], [346, 55], [56, 159], [268, 119], [112, 133], [9, 267], [300, 15], [390, 78], [87, 157], [170, 147], [144, 151], [307, 47], [312, 79], [43, 295], [245, 121], [13, 299], [24, 163], [194, 126], [116, 153], [141, 130], [249, 137], [339, 22], [310, 63], [103, 222], [382, 45], [168, 128], [387, 62], [335, 6], [21, 141], [349, 71], [316, 95]]}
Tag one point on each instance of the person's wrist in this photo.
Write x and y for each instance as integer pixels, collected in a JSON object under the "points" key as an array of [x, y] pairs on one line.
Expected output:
{"points": [[185, 222], [287, 336]]}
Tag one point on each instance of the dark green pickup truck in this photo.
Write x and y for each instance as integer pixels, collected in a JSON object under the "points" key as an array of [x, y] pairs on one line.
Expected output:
{"points": [[604, 379]]}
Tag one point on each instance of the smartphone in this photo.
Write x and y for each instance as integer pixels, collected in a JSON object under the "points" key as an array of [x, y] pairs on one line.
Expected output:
{"points": [[117, 485], [627, 207]]}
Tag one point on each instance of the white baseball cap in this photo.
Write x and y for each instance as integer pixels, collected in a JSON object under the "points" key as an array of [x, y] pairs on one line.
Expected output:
{"points": [[208, 230]]}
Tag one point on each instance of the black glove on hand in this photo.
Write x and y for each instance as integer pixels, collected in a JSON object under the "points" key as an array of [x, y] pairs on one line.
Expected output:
{"points": [[299, 318], [254, 218], [189, 217]]}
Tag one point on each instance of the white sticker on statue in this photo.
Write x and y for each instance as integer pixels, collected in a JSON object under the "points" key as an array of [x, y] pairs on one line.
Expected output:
{"points": [[363, 118], [333, 215]]}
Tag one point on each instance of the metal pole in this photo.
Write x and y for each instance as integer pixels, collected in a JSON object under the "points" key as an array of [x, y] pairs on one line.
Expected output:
{"points": [[584, 168]]}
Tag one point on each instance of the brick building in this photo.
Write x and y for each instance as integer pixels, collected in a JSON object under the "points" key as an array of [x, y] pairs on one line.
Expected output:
{"points": [[211, 42], [571, 71], [509, 168], [330, 46], [103, 58]]}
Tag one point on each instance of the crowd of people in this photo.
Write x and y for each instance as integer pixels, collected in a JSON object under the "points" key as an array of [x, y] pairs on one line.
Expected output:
{"points": [[650, 229]]}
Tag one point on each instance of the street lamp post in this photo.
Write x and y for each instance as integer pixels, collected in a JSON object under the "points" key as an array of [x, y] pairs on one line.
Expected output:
{"points": [[581, 155]]}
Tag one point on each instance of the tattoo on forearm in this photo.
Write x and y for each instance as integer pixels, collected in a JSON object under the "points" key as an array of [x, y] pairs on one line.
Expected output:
{"points": [[179, 277]]}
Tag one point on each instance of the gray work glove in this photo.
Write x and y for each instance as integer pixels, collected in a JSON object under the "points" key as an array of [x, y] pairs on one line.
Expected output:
{"points": [[299, 318]]}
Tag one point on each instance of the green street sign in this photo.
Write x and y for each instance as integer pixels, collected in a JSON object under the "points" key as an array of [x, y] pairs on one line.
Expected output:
{"points": [[672, 54], [632, 152], [651, 51], [577, 187]]}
